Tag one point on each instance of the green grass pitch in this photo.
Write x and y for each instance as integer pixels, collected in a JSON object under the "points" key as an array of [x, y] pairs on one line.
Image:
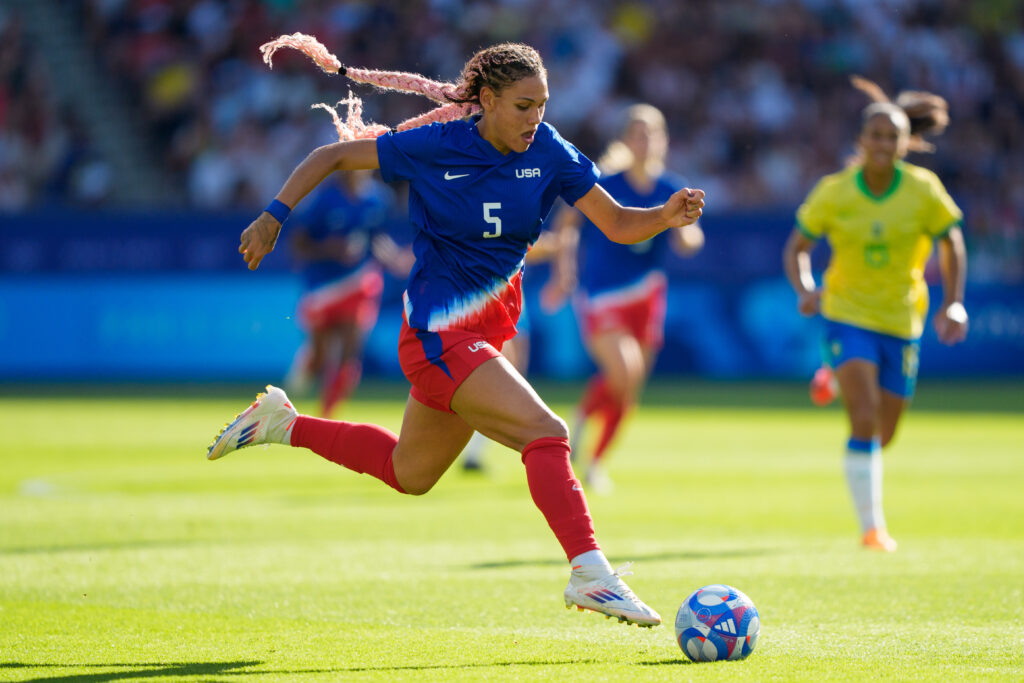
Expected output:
{"points": [[125, 555]]}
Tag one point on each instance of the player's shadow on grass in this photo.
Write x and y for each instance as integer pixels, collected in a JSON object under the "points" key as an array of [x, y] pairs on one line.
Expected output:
{"points": [[132, 671], [203, 669], [473, 665], [102, 547], [655, 557]]}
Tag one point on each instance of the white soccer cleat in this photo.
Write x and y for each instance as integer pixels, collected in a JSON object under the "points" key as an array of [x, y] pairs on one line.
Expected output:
{"points": [[265, 421], [593, 587]]}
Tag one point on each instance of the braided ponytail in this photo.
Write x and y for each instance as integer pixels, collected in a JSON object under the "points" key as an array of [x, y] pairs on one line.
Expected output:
{"points": [[352, 127], [495, 67], [925, 112]]}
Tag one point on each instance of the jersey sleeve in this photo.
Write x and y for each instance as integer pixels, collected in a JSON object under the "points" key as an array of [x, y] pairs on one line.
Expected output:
{"points": [[401, 154], [944, 212], [813, 215], [576, 173]]}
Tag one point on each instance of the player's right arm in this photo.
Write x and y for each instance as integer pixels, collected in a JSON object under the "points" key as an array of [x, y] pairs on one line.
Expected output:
{"points": [[812, 221], [796, 259], [259, 238]]}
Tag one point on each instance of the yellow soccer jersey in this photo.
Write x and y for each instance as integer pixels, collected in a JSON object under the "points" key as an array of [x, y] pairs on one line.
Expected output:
{"points": [[880, 245]]}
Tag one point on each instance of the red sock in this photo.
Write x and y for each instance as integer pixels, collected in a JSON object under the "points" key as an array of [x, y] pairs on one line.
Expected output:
{"points": [[340, 386], [595, 396], [613, 414], [362, 448], [558, 494]]}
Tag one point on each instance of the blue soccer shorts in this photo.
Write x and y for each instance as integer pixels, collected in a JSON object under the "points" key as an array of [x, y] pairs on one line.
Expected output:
{"points": [[896, 358]]}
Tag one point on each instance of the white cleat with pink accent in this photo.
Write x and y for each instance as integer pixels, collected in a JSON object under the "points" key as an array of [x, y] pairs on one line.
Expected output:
{"points": [[266, 421]]}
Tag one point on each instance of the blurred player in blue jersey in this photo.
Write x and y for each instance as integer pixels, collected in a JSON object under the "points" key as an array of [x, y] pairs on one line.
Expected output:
{"points": [[623, 287], [479, 188], [880, 216], [341, 240]]}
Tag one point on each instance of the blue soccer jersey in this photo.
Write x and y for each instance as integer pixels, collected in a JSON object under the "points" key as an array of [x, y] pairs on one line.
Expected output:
{"points": [[334, 212], [606, 266], [476, 211]]}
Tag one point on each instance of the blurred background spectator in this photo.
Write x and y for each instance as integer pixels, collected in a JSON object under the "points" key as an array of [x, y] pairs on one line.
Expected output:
{"points": [[164, 109], [756, 91]]}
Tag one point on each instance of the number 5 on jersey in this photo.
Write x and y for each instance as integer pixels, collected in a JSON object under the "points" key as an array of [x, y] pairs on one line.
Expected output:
{"points": [[493, 220]]}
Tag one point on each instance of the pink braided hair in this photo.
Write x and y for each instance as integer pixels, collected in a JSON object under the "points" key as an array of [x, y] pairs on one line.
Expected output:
{"points": [[352, 126]]}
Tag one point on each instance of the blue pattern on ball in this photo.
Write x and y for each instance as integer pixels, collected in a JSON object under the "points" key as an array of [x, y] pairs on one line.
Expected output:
{"points": [[731, 624]]}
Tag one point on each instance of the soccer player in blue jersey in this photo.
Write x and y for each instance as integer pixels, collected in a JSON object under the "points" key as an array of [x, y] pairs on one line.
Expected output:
{"points": [[880, 216], [479, 188], [622, 287], [341, 241]]}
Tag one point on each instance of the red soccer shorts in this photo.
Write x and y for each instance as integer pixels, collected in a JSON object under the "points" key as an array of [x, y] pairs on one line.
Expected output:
{"points": [[436, 363], [638, 310], [356, 298]]}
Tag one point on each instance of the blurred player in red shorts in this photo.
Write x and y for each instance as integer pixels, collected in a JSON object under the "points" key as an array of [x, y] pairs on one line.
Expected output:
{"points": [[341, 241], [623, 289]]}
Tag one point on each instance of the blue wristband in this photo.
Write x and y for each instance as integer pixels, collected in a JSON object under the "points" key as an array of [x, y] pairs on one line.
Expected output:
{"points": [[279, 210]]}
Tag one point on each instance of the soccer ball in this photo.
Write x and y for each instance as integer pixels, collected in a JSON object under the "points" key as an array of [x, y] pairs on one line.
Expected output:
{"points": [[717, 622]]}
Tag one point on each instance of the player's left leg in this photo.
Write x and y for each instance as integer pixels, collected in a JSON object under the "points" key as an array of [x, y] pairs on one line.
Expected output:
{"points": [[621, 360], [897, 377], [517, 351], [348, 369], [498, 402], [890, 410]]}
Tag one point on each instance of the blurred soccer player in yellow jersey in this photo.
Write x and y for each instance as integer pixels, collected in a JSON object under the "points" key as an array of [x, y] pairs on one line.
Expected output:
{"points": [[880, 216]]}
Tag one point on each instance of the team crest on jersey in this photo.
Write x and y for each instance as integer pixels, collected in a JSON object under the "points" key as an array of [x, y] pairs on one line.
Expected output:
{"points": [[527, 173]]}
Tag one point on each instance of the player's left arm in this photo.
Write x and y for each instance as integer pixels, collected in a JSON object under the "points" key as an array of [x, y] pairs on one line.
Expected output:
{"points": [[629, 225], [951, 320]]}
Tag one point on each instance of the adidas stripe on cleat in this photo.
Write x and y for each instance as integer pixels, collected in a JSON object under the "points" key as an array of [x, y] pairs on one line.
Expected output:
{"points": [[593, 587], [265, 421]]}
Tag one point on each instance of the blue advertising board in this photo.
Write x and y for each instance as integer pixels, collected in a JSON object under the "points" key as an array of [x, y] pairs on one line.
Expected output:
{"points": [[146, 296]]}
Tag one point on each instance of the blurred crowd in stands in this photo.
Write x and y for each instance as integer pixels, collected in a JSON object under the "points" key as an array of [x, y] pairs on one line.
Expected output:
{"points": [[756, 91]]}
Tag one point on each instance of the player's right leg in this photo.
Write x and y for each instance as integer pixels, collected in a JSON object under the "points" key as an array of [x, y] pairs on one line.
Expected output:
{"points": [[412, 463], [823, 388], [862, 464]]}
